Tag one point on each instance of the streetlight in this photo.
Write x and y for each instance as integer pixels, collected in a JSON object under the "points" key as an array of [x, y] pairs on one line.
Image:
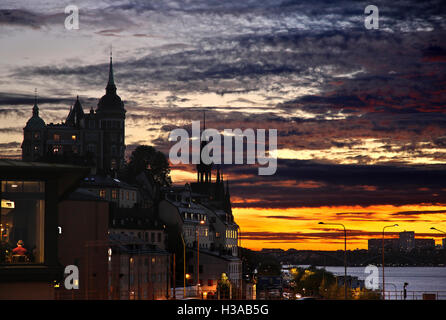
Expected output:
{"points": [[391, 226], [433, 228], [345, 254], [438, 230], [198, 258], [184, 266], [239, 249]]}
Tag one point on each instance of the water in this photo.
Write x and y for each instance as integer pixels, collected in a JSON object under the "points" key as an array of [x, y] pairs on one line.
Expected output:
{"points": [[420, 279]]}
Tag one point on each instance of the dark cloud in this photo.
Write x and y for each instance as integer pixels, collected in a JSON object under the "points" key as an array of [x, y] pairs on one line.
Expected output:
{"points": [[339, 185], [21, 18]]}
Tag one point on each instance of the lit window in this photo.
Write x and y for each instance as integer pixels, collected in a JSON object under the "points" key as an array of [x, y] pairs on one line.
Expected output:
{"points": [[73, 137], [56, 137], [114, 194], [102, 194], [22, 222]]}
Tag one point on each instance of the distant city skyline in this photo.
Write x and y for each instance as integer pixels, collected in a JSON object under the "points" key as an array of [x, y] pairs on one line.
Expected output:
{"points": [[360, 113]]}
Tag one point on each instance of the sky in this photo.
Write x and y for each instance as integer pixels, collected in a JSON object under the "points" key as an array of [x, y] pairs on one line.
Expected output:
{"points": [[360, 113]]}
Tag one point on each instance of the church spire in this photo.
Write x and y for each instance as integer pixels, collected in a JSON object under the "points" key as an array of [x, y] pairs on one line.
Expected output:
{"points": [[111, 87], [35, 108]]}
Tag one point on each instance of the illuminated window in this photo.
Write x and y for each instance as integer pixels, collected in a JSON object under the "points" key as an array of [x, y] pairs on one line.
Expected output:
{"points": [[102, 193], [114, 194], [73, 137], [56, 137], [22, 213]]}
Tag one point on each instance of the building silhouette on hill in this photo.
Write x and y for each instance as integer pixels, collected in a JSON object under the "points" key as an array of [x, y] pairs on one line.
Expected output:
{"points": [[95, 139]]}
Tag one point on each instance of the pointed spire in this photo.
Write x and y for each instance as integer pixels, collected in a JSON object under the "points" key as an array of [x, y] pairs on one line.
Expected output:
{"points": [[111, 87], [111, 80], [35, 108]]}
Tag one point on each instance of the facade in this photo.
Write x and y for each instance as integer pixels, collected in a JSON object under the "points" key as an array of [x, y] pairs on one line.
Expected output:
{"points": [[178, 209], [119, 251], [83, 219], [94, 139], [111, 189], [30, 192], [202, 213], [138, 223], [212, 266], [137, 270]]}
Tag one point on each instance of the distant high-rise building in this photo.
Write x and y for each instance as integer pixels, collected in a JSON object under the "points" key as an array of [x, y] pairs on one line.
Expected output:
{"points": [[407, 240], [95, 139]]}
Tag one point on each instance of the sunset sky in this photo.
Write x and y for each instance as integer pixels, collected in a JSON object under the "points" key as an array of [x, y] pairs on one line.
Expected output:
{"points": [[360, 114]]}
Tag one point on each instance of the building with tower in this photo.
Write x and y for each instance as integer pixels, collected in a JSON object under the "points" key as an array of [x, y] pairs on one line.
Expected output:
{"points": [[95, 139]]}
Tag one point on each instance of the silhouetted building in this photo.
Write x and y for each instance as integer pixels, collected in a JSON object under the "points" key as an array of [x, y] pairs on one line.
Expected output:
{"points": [[389, 244], [407, 240], [424, 243], [95, 139]]}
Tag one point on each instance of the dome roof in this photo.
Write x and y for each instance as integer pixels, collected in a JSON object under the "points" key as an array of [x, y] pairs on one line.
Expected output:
{"points": [[110, 101], [35, 122]]}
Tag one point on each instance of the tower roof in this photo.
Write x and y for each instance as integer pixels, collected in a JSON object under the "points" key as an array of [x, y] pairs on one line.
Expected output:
{"points": [[35, 122], [76, 114], [111, 81], [111, 102]]}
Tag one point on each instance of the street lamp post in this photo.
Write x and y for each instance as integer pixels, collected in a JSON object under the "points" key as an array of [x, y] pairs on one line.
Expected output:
{"points": [[438, 230], [433, 228], [198, 258], [239, 249], [384, 292], [184, 266], [345, 254]]}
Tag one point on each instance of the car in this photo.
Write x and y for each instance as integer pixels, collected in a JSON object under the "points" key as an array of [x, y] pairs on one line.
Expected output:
{"points": [[307, 298]]}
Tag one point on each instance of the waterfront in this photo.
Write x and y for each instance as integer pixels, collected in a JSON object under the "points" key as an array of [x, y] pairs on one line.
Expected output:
{"points": [[420, 279]]}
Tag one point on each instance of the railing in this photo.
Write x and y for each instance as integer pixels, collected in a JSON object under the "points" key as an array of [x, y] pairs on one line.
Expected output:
{"points": [[415, 295]]}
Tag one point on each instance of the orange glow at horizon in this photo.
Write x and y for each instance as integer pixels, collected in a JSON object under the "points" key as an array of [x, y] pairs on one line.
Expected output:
{"points": [[298, 228]]}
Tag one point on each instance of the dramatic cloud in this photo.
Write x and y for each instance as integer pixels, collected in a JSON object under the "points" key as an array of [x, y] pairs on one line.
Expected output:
{"points": [[360, 113]]}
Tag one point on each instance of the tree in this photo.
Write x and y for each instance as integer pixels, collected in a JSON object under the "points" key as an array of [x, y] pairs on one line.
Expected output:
{"points": [[150, 161]]}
